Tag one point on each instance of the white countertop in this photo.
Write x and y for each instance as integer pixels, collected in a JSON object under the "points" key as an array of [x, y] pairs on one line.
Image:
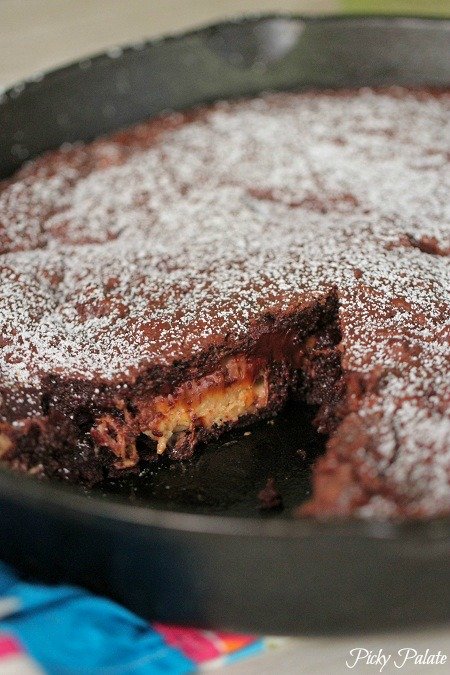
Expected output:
{"points": [[39, 34], [328, 656]]}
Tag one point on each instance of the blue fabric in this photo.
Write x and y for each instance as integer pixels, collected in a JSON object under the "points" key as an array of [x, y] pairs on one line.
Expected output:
{"points": [[68, 631]]}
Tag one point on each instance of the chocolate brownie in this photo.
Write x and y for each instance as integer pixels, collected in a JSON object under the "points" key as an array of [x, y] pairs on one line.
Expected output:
{"points": [[191, 273]]}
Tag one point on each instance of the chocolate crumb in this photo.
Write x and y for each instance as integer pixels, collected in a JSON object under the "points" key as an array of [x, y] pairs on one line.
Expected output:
{"points": [[269, 497]]}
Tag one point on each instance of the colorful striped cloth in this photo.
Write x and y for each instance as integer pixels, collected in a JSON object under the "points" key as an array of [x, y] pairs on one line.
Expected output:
{"points": [[64, 630]]}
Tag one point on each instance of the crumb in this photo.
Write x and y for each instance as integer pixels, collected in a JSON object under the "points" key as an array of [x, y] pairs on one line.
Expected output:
{"points": [[269, 498]]}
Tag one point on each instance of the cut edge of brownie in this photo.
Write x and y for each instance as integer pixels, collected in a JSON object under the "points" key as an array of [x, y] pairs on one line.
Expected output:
{"points": [[116, 431]]}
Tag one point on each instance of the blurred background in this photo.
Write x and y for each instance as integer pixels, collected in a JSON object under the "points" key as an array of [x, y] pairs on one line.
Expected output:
{"points": [[38, 34]]}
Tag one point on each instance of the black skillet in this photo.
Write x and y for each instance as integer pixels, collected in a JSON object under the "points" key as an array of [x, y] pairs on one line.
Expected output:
{"points": [[188, 544]]}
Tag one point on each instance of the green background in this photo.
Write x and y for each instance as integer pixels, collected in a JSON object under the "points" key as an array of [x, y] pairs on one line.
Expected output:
{"points": [[418, 7]]}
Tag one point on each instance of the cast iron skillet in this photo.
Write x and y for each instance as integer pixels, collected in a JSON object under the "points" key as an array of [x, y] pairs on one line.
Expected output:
{"points": [[188, 544]]}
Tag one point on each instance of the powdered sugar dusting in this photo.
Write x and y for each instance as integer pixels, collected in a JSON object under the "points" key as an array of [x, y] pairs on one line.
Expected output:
{"points": [[143, 249]]}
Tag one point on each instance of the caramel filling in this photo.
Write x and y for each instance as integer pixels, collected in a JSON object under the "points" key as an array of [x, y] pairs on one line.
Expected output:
{"points": [[239, 388], [216, 405]]}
